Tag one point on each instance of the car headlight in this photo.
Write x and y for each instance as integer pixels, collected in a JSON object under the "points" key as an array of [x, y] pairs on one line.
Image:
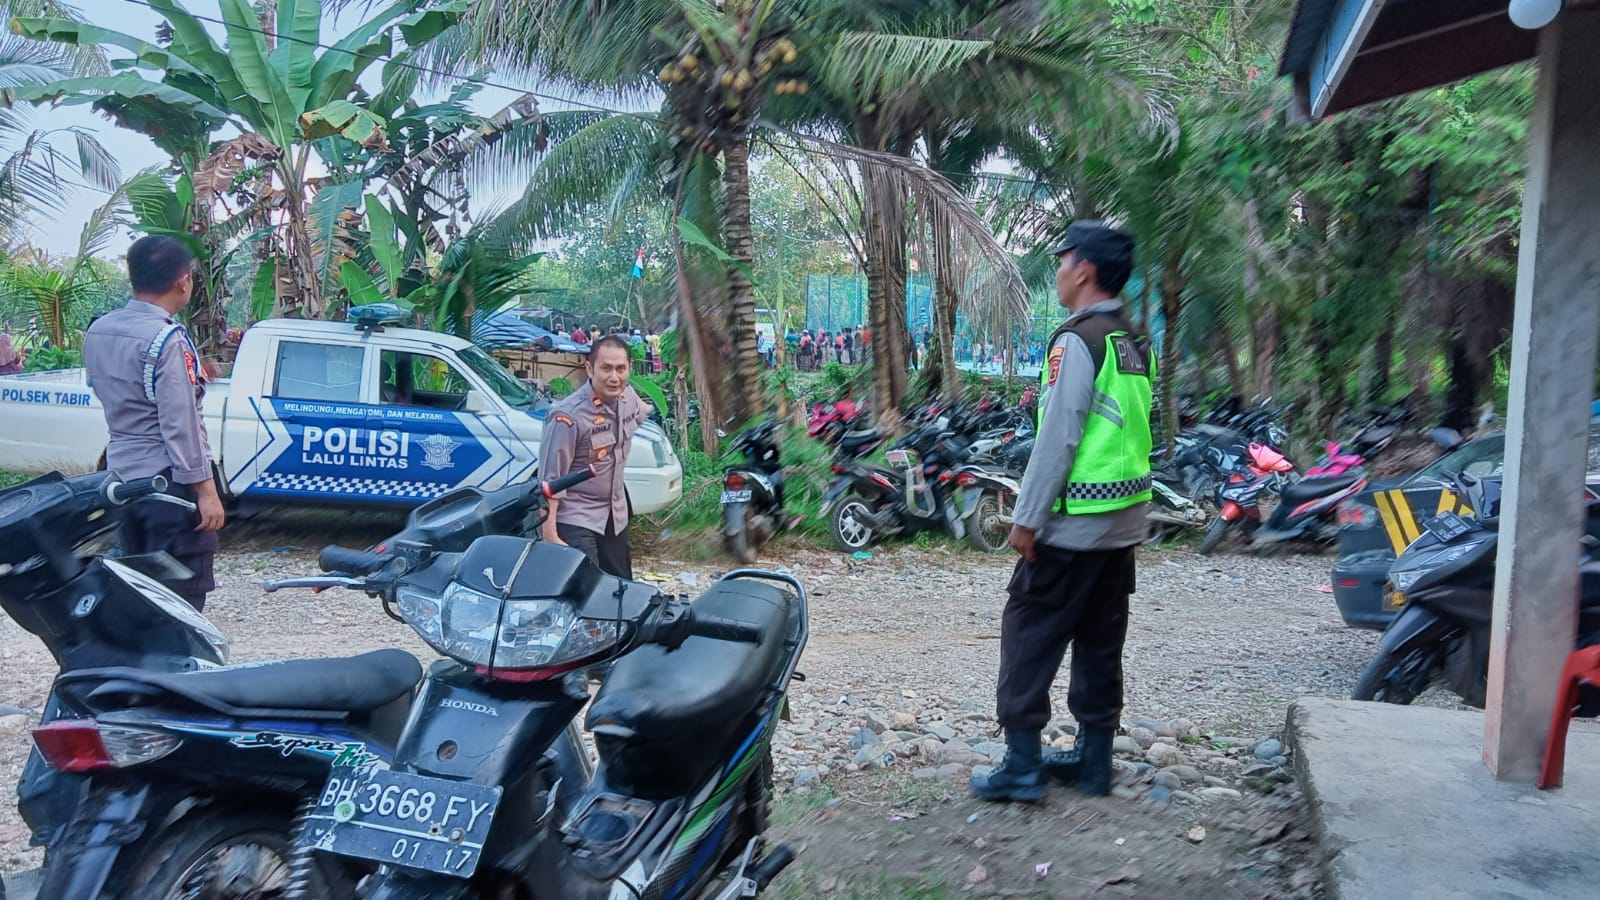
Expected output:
{"points": [[479, 629]]}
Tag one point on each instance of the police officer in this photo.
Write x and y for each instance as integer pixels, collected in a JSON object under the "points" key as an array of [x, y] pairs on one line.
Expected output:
{"points": [[594, 426], [1079, 517], [150, 383]]}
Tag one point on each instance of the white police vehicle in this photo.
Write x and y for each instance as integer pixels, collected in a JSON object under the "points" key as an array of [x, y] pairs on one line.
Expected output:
{"points": [[336, 413]]}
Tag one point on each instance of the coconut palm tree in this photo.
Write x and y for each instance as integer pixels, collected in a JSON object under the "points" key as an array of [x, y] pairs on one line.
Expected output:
{"points": [[30, 171]]}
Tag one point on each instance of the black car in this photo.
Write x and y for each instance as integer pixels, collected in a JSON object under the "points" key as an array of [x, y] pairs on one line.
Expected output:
{"points": [[1378, 524]]}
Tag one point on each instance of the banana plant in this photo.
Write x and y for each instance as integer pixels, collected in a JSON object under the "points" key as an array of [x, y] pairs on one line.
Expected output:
{"points": [[302, 100]]}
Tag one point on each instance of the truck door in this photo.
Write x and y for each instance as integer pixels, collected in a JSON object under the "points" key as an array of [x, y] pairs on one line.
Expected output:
{"points": [[321, 444], [426, 395]]}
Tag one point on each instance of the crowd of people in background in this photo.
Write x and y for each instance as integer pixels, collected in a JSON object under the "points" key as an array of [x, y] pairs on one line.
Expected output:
{"points": [[648, 338], [987, 354], [816, 347]]}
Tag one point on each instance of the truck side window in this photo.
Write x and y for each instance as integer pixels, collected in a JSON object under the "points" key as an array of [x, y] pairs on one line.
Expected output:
{"points": [[319, 372], [417, 379]]}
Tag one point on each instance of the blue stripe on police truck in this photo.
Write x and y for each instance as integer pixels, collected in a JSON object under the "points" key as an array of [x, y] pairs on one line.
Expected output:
{"points": [[382, 454]]}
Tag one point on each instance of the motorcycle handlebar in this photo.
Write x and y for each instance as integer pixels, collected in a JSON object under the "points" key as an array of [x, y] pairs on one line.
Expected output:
{"points": [[572, 479], [118, 493], [727, 629], [334, 558]]}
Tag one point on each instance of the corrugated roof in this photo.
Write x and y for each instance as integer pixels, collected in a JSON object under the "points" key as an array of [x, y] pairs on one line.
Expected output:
{"points": [[1310, 20]]}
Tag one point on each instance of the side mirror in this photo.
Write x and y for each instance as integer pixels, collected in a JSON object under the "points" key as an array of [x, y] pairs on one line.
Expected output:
{"points": [[476, 402]]}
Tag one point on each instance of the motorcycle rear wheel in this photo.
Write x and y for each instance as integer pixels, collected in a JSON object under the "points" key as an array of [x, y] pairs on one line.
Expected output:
{"points": [[1214, 535], [986, 533], [738, 545], [852, 532], [220, 854]]}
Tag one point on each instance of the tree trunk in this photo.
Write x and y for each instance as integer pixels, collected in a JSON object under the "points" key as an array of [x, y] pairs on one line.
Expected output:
{"points": [[946, 300], [885, 246], [747, 398], [1263, 312], [1230, 360], [702, 355], [1383, 361], [1172, 284]]}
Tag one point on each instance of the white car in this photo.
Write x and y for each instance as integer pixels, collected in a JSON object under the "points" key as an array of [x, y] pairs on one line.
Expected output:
{"points": [[335, 413]]}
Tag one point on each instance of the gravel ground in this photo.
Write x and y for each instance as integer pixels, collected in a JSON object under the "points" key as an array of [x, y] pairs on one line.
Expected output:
{"points": [[909, 635]]}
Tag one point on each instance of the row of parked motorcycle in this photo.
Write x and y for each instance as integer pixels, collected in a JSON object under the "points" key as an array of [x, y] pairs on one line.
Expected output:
{"points": [[958, 470], [159, 771]]}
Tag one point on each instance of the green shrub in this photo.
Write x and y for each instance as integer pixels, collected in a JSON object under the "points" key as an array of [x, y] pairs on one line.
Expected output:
{"points": [[42, 359]]}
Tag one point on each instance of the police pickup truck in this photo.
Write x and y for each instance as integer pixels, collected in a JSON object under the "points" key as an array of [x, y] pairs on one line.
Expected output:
{"points": [[336, 413]]}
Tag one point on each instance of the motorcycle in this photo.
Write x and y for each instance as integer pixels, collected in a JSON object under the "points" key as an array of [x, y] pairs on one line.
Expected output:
{"points": [[829, 421], [1443, 586], [1308, 507], [156, 768], [1170, 511], [1239, 498], [491, 795], [752, 493], [917, 491]]}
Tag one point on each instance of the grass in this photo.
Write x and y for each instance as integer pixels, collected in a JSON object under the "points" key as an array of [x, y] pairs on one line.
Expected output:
{"points": [[8, 479]]}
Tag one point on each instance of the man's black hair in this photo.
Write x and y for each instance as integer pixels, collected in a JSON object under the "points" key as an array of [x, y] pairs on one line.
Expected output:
{"points": [[611, 340], [156, 262], [1112, 274]]}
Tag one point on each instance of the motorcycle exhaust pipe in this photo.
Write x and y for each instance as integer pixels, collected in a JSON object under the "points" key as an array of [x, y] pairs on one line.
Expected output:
{"points": [[769, 867]]}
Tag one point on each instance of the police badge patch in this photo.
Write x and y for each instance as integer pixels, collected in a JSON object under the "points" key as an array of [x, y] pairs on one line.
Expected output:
{"points": [[437, 449]]}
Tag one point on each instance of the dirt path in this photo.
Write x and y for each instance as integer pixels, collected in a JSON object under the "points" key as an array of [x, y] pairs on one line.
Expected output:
{"points": [[1225, 642]]}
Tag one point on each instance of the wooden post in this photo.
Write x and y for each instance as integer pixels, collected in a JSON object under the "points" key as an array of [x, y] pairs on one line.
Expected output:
{"points": [[1552, 383]]}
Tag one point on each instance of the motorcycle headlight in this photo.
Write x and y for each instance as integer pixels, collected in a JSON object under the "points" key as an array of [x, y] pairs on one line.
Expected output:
{"points": [[479, 629], [1407, 572]]}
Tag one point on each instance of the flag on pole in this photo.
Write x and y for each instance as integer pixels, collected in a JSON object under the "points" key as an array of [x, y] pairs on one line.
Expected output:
{"points": [[638, 264]]}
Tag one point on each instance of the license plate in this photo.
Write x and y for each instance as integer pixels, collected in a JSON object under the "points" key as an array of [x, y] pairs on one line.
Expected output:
{"points": [[736, 496], [403, 819], [1393, 600]]}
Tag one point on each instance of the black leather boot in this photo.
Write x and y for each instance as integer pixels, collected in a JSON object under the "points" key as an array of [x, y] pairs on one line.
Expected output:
{"points": [[1087, 766], [1021, 777]]}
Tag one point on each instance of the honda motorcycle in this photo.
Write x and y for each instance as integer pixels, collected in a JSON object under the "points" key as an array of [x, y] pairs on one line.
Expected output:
{"points": [[490, 796], [156, 770], [1443, 586], [1308, 507], [752, 493]]}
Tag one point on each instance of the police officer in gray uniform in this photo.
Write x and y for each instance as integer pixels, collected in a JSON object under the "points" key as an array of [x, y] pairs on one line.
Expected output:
{"points": [[150, 382], [594, 426]]}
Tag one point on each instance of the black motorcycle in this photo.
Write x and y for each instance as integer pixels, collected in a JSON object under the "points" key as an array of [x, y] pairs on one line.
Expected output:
{"points": [[752, 493], [156, 770], [490, 795], [1443, 586], [916, 492]]}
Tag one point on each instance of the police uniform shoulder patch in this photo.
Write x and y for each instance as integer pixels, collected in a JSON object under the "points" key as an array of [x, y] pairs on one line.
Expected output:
{"points": [[563, 418], [1055, 363]]}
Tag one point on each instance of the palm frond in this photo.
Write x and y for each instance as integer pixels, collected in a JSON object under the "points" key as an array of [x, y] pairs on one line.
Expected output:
{"points": [[96, 163], [997, 292]]}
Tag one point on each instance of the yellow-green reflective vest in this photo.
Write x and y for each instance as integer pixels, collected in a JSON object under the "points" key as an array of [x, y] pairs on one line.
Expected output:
{"points": [[1112, 468]]}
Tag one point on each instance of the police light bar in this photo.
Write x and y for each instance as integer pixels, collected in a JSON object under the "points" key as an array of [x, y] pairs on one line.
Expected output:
{"points": [[373, 316]]}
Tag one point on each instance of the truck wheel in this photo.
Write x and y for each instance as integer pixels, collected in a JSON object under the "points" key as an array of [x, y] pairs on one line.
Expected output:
{"points": [[851, 527]]}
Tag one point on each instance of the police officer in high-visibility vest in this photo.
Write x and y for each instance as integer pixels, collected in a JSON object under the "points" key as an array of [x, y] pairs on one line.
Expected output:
{"points": [[1079, 517]]}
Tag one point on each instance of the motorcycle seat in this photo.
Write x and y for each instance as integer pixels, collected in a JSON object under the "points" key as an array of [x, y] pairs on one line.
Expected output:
{"points": [[330, 688], [858, 443], [664, 717], [1308, 489]]}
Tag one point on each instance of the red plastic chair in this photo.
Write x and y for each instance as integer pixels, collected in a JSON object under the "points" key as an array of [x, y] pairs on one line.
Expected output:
{"points": [[1583, 667]]}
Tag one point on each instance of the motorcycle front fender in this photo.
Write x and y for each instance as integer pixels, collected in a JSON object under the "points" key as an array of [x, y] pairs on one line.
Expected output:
{"points": [[109, 816], [1414, 625]]}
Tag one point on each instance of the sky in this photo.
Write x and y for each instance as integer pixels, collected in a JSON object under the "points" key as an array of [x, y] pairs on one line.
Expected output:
{"points": [[58, 232]]}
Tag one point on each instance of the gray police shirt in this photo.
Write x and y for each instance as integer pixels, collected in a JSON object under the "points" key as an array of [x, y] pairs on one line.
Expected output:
{"points": [[1066, 410], [148, 438]]}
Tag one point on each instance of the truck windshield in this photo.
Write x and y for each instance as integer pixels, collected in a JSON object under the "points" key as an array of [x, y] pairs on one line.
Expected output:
{"points": [[500, 381]]}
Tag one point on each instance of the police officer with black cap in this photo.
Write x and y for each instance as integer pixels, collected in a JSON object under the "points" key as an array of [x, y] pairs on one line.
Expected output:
{"points": [[1080, 515]]}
